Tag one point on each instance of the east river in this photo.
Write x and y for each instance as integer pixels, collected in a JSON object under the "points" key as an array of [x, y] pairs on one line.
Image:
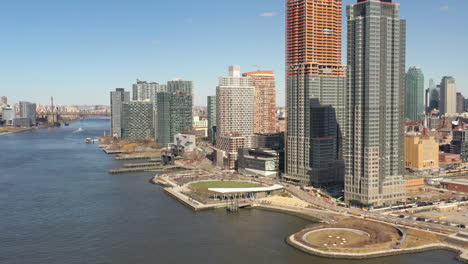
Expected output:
{"points": [[59, 205]]}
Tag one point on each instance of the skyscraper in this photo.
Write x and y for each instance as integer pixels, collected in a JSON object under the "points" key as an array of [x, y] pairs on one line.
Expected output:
{"points": [[374, 151], [264, 101], [314, 70], [460, 103], [175, 116], [434, 98], [212, 119], [3, 100], [414, 94], [137, 119], [234, 117], [235, 104], [118, 98], [448, 96]]}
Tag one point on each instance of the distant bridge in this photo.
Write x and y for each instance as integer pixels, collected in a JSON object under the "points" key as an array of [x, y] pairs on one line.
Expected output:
{"points": [[80, 113]]}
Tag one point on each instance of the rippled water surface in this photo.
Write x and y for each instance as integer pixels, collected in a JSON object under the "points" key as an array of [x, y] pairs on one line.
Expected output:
{"points": [[59, 205]]}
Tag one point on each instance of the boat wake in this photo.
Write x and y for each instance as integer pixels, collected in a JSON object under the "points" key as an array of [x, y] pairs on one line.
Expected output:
{"points": [[79, 130]]}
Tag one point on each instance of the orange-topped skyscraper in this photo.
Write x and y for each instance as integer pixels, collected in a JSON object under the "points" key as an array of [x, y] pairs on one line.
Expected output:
{"points": [[314, 74]]}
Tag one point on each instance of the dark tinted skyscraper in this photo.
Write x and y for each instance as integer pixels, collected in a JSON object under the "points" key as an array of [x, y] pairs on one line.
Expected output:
{"points": [[118, 98], [211, 118], [414, 94], [375, 103]]}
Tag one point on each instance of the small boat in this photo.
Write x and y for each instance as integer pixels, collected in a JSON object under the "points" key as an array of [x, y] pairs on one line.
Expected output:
{"points": [[66, 124], [91, 141]]}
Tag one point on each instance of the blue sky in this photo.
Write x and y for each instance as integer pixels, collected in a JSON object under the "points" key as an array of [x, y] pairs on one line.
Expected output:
{"points": [[78, 51]]}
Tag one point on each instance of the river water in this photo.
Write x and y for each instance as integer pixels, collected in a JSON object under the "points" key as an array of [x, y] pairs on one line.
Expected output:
{"points": [[59, 205]]}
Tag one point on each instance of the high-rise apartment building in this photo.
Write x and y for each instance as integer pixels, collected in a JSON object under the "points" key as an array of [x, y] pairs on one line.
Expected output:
{"points": [[374, 150], [448, 96], [137, 119], [174, 115], [314, 71], [27, 110], [211, 119], [117, 99], [264, 101], [234, 105], [234, 116], [460, 103], [143, 90], [3, 100], [414, 94]]}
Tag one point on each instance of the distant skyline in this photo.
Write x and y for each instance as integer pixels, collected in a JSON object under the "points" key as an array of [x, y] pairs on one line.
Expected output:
{"points": [[79, 51]]}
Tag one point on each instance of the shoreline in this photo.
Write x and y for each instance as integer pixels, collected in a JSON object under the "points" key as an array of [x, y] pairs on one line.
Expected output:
{"points": [[19, 131], [462, 253]]}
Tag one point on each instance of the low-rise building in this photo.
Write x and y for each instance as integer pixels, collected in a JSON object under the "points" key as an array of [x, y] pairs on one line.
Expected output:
{"points": [[455, 185], [258, 162], [421, 153], [227, 148], [449, 158], [414, 183], [8, 114], [22, 122], [185, 141]]}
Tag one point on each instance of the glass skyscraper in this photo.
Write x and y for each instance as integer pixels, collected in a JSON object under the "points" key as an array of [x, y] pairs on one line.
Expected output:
{"points": [[414, 94]]}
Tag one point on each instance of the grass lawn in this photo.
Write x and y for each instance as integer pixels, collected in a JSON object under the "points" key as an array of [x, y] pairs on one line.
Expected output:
{"points": [[341, 238], [222, 184]]}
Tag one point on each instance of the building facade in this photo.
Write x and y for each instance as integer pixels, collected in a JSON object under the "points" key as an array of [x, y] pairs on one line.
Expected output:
{"points": [[180, 86], [8, 115], [414, 94], [3, 100], [174, 115], [459, 144], [137, 119], [258, 162], [143, 90], [212, 119], [200, 126], [264, 100], [234, 105], [448, 96], [421, 153], [27, 110], [227, 148], [187, 142], [324, 135], [460, 103], [374, 148], [313, 70], [117, 99]]}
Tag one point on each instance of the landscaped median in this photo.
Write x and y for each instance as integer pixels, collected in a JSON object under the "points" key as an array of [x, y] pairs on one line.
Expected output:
{"points": [[358, 239]]}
